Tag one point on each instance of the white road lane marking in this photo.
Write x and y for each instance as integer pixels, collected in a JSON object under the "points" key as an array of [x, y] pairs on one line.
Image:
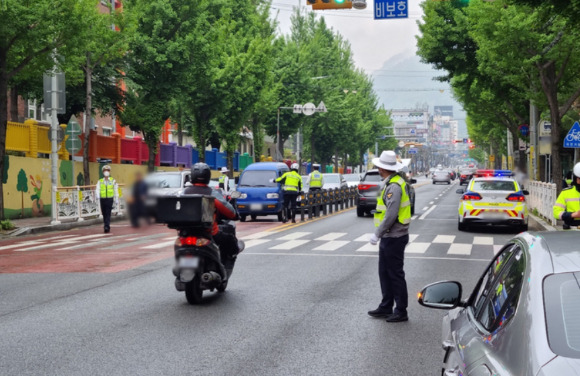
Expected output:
{"points": [[417, 247], [431, 203], [165, 244], [290, 245], [61, 242], [413, 217], [254, 242], [256, 235], [497, 248], [294, 235], [331, 245], [364, 238], [459, 249], [425, 208], [359, 255], [428, 212], [483, 240], [445, 239], [27, 243], [331, 236]]}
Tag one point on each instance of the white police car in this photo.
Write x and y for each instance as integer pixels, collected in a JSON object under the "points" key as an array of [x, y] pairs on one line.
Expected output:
{"points": [[493, 197]]}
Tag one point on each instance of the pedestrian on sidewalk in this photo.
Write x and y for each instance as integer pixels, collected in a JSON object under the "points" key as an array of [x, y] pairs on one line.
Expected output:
{"points": [[392, 218], [567, 206], [108, 195], [139, 195]]}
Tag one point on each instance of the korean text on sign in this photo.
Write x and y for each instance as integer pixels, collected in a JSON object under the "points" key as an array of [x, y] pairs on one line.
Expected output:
{"points": [[385, 9]]}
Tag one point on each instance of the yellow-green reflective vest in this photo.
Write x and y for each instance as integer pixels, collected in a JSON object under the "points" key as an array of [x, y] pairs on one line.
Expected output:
{"points": [[107, 188], [568, 201], [315, 179], [292, 181], [404, 209], [222, 179]]}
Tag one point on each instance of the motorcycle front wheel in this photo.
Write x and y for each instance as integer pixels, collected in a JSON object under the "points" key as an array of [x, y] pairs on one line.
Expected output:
{"points": [[193, 291]]}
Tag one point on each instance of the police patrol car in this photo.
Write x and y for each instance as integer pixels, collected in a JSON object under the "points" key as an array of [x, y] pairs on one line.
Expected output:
{"points": [[493, 197]]}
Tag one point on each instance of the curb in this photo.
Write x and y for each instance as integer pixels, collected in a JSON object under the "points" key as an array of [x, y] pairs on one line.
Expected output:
{"points": [[542, 223], [60, 227]]}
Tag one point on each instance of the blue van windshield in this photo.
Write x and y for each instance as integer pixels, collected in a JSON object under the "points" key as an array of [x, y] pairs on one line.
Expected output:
{"points": [[258, 179]]}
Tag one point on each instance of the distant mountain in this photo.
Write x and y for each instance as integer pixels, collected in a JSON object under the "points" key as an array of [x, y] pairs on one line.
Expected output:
{"points": [[404, 82]]}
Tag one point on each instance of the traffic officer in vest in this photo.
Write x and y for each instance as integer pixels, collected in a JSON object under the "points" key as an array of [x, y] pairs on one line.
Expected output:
{"points": [[567, 206], [107, 193], [224, 181], [292, 187], [316, 181], [392, 218]]}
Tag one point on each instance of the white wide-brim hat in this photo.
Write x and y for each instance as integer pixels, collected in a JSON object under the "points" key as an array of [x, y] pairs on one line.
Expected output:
{"points": [[225, 169], [388, 161]]}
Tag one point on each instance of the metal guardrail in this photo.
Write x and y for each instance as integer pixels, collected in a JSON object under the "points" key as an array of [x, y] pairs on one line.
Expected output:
{"points": [[542, 198], [326, 201], [80, 202]]}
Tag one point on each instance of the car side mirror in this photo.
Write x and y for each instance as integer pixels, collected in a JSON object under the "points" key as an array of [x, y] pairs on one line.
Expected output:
{"points": [[413, 181], [441, 295], [236, 194], [525, 192], [460, 191]]}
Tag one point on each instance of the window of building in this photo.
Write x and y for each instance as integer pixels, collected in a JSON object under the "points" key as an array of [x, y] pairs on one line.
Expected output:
{"points": [[107, 131]]}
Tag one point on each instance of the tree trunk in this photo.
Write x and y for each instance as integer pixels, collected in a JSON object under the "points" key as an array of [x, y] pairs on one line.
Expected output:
{"points": [[89, 114], [202, 141], [3, 123], [550, 87], [281, 149], [152, 145], [230, 162], [14, 104]]}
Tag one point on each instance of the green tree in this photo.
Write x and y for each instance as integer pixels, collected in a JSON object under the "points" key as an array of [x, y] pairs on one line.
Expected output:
{"points": [[29, 34], [22, 187]]}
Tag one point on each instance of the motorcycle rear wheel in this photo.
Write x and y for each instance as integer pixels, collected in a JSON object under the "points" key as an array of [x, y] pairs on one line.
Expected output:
{"points": [[193, 291]]}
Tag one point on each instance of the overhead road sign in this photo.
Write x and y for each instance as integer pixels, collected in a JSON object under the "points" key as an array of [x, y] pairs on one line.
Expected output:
{"points": [[309, 109], [330, 4], [321, 107], [572, 139], [412, 151], [391, 9]]}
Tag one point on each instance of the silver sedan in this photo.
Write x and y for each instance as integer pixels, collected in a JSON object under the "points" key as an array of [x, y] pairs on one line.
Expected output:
{"points": [[440, 176], [522, 316]]}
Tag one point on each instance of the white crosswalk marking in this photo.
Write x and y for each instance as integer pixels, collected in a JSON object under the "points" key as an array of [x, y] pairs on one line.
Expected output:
{"points": [[164, 244], [368, 248], [331, 245], [290, 244], [21, 244], [445, 239], [295, 235], [412, 237], [417, 247], [257, 235], [483, 240], [364, 238], [497, 248], [331, 236], [61, 242], [459, 249], [254, 242]]}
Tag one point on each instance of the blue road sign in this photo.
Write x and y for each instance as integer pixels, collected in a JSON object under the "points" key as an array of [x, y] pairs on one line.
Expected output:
{"points": [[366, 158], [465, 140], [572, 139], [412, 151], [391, 9], [412, 131]]}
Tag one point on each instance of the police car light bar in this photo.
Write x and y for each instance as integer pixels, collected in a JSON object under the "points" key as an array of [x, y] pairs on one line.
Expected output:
{"points": [[494, 173]]}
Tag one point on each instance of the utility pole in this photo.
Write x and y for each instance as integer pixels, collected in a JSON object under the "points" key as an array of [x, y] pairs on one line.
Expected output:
{"points": [[533, 141], [54, 146]]}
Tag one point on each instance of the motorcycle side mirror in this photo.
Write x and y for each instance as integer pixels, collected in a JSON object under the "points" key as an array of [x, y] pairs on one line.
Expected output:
{"points": [[235, 194]]}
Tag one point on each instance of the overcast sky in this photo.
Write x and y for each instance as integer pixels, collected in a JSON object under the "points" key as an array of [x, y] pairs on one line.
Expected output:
{"points": [[373, 41]]}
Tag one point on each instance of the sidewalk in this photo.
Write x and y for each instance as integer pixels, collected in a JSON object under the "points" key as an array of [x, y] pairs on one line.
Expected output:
{"points": [[37, 225]]}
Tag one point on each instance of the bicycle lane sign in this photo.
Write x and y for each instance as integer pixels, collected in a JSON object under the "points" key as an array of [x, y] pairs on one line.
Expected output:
{"points": [[572, 139]]}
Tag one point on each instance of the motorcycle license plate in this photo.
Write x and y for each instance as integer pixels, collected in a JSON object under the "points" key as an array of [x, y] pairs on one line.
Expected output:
{"points": [[188, 262], [256, 207]]}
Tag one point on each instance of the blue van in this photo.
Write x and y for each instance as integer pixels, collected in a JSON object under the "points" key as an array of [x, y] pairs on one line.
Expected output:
{"points": [[259, 195]]}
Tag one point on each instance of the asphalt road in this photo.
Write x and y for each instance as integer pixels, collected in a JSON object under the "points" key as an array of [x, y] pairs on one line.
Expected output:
{"points": [[296, 304]]}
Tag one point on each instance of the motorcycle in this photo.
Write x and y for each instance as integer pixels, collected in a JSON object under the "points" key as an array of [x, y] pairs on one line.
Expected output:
{"points": [[199, 265]]}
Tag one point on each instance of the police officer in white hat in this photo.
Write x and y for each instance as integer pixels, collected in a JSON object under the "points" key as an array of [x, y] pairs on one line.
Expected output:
{"points": [[224, 181], [107, 192], [392, 218]]}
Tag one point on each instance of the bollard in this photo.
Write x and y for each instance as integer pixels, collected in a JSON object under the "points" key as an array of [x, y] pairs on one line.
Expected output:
{"points": [[310, 207], [330, 201], [336, 198], [324, 202], [302, 205]]}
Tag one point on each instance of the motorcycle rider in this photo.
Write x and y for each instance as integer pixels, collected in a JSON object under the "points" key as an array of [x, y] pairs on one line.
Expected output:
{"points": [[292, 187], [227, 242]]}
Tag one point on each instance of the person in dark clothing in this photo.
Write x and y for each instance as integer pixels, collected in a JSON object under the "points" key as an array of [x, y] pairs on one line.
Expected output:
{"points": [[139, 194], [227, 242]]}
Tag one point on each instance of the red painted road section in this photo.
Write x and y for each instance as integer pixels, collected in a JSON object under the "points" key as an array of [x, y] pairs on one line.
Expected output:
{"points": [[87, 249]]}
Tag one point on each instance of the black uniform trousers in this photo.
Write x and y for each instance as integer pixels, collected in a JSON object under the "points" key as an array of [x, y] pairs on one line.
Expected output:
{"points": [[391, 274], [106, 208], [290, 203]]}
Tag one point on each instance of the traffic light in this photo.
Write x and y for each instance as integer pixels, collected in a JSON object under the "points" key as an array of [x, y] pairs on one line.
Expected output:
{"points": [[329, 4]]}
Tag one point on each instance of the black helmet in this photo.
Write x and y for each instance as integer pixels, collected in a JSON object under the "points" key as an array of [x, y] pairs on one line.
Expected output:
{"points": [[200, 173]]}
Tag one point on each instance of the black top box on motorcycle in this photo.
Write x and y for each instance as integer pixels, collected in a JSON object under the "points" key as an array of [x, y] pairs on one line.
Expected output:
{"points": [[186, 210]]}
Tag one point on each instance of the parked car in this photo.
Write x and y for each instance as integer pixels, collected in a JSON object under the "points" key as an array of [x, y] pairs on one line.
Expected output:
{"points": [[441, 176], [369, 189], [522, 316], [261, 196], [352, 180], [333, 181]]}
